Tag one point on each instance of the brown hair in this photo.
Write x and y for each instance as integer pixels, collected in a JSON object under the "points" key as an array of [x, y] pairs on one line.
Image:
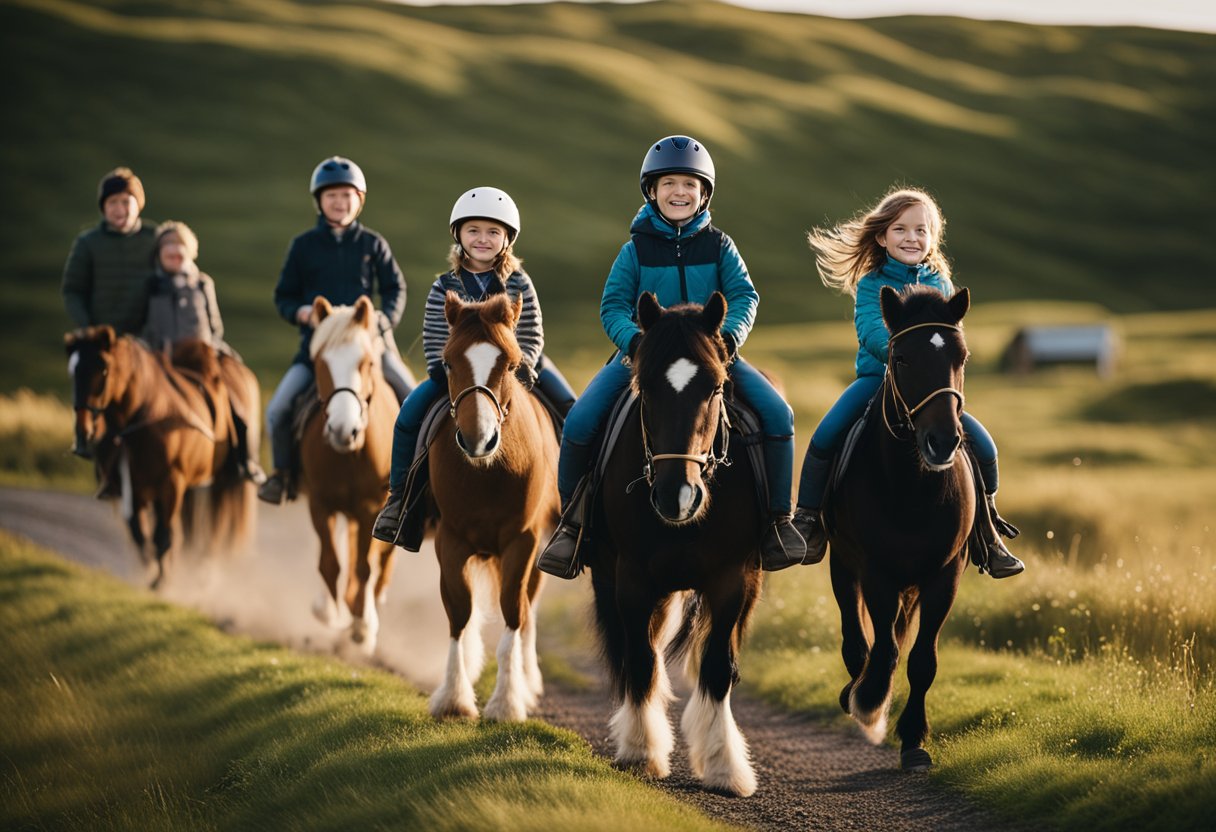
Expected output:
{"points": [[849, 251]]}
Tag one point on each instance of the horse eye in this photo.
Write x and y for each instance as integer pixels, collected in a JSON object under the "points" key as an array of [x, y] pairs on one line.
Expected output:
{"points": [[446, 365], [900, 361]]}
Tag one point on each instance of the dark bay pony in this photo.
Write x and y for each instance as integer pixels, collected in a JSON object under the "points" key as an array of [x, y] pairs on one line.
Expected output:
{"points": [[344, 462], [678, 528], [898, 522], [167, 429], [493, 476]]}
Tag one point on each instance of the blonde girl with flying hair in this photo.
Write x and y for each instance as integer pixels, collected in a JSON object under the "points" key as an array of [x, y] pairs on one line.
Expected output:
{"points": [[896, 243]]}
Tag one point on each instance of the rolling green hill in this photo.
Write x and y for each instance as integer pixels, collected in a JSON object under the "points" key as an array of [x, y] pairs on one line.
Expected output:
{"points": [[1072, 163]]}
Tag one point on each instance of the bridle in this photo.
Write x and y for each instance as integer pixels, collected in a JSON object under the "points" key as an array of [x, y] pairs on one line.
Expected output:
{"points": [[708, 461], [902, 410], [485, 391], [365, 402]]}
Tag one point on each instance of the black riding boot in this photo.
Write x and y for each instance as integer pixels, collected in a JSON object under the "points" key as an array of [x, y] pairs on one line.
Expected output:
{"points": [[1001, 562], [782, 545], [816, 469], [809, 524], [560, 555], [388, 521], [274, 488]]}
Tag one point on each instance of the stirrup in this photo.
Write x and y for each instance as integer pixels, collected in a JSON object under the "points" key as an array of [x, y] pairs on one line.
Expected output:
{"points": [[559, 558], [387, 526], [782, 545]]}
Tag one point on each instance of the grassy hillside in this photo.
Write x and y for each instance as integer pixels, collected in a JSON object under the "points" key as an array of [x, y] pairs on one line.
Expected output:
{"points": [[1071, 162]]}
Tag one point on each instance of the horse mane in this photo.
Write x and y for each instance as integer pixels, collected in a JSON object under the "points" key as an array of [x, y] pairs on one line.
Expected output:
{"points": [[491, 321], [924, 304], [679, 332], [338, 328]]}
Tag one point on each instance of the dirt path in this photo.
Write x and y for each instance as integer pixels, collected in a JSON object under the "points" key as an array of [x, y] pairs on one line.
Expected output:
{"points": [[811, 776]]}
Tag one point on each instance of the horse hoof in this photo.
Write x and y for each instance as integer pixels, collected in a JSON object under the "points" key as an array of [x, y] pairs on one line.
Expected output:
{"points": [[915, 759]]}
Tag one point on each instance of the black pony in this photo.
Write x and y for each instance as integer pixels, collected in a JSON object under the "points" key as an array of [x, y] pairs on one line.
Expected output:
{"points": [[899, 520], [676, 517]]}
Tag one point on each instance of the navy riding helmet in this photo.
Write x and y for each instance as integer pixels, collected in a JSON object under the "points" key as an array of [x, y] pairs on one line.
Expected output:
{"points": [[337, 170], [677, 154]]}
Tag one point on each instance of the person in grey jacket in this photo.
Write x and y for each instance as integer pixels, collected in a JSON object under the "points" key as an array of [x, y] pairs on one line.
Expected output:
{"points": [[181, 305]]}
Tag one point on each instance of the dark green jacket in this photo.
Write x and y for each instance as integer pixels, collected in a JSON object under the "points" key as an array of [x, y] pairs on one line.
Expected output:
{"points": [[105, 280]]}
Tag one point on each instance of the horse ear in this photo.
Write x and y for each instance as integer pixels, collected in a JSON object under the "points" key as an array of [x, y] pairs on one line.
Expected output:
{"points": [[106, 336], [649, 310], [714, 313], [959, 303], [320, 310], [891, 305], [364, 311], [69, 341], [452, 307]]}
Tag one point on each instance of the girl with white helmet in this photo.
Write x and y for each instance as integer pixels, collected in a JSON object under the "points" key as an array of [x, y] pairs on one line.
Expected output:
{"points": [[484, 225]]}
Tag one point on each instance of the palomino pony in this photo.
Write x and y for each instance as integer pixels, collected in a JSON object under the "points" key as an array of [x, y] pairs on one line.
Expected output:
{"points": [[900, 518], [493, 477], [166, 427], [345, 452], [695, 526]]}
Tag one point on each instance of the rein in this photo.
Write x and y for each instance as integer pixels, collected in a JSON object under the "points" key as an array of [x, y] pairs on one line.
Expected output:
{"points": [[707, 461], [902, 410]]}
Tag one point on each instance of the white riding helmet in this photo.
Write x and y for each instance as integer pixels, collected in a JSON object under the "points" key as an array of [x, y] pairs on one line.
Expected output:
{"points": [[488, 204]]}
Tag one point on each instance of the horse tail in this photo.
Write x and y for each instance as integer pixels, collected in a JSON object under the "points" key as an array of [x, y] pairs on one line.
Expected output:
{"points": [[688, 643], [909, 607]]}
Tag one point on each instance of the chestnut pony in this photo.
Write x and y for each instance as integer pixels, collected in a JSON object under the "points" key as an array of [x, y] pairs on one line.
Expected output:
{"points": [[493, 477], [899, 520], [676, 521], [345, 451], [167, 429]]}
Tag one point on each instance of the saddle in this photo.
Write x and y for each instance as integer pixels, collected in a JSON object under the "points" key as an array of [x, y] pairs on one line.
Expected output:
{"points": [[416, 512], [303, 407], [743, 422], [983, 524]]}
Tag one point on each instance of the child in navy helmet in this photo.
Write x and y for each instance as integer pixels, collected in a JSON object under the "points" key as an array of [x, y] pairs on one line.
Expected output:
{"points": [[678, 255], [339, 259], [484, 225]]}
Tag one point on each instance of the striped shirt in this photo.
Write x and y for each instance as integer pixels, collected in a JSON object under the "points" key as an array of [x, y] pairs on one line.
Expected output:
{"points": [[529, 331]]}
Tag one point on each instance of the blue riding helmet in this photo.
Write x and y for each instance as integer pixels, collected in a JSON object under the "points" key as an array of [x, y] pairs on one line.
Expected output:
{"points": [[677, 154], [337, 170]]}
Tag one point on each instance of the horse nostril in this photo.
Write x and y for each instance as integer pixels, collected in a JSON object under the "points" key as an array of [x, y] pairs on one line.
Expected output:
{"points": [[460, 441]]}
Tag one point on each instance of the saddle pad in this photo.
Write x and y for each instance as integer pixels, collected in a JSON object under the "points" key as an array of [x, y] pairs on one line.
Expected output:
{"points": [[303, 407]]}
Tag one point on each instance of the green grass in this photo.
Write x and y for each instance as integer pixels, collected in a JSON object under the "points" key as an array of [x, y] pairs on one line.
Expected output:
{"points": [[120, 712], [1045, 144]]}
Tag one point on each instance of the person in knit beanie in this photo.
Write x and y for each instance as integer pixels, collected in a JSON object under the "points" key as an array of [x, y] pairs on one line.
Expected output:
{"points": [[105, 277]]}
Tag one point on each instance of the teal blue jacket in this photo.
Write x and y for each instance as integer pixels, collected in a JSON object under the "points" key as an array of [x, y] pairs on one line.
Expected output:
{"points": [[680, 265], [872, 332]]}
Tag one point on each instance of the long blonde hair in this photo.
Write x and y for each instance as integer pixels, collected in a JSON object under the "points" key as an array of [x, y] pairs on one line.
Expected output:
{"points": [[848, 252]]}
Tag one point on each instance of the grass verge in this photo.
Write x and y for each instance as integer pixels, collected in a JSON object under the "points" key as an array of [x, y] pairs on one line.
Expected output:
{"points": [[121, 712]]}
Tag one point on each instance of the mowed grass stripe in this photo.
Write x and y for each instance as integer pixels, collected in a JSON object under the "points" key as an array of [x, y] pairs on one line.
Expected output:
{"points": [[121, 712]]}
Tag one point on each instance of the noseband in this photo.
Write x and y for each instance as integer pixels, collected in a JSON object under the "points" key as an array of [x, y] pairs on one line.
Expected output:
{"points": [[364, 403], [902, 410], [485, 391], [707, 461]]}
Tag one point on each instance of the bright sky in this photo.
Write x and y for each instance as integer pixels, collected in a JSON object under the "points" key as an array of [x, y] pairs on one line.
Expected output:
{"points": [[1194, 15]]}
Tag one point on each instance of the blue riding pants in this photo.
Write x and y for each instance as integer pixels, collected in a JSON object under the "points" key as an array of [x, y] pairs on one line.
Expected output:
{"points": [[586, 420], [279, 411], [418, 402], [829, 436]]}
